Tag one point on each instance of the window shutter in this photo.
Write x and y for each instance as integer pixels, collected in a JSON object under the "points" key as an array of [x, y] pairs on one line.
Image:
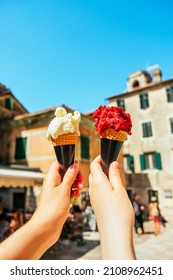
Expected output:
{"points": [[171, 124], [20, 151], [85, 150], [144, 101], [158, 161], [169, 94], [144, 129], [142, 162], [147, 129], [131, 162], [9, 103], [121, 103]]}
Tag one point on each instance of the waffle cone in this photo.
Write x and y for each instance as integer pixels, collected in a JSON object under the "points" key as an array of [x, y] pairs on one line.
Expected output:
{"points": [[111, 134], [65, 139]]}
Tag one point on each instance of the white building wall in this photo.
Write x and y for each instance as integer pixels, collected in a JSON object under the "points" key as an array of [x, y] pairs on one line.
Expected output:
{"points": [[158, 113]]}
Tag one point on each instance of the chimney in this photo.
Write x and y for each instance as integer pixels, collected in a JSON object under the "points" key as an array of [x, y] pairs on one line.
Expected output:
{"points": [[156, 73]]}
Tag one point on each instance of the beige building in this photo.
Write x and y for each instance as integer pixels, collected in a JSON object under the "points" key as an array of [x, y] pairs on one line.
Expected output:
{"points": [[26, 154], [148, 152]]}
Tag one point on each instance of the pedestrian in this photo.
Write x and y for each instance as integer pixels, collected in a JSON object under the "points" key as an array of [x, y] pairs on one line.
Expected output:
{"points": [[4, 226], [138, 209], [154, 214]]}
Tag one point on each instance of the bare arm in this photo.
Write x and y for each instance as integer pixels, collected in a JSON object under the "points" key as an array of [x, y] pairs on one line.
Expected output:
{"points": [[113, 210], [44, 228]]}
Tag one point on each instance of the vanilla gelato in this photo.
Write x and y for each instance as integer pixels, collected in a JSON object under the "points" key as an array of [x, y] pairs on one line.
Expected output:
{"points": [[63, 123]]}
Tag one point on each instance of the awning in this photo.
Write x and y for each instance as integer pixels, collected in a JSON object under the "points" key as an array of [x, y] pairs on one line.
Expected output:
{"points": [[20, 178]]}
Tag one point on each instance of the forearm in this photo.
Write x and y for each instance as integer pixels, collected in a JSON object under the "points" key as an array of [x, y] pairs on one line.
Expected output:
{"points": [[117, 243], [27, 243]]}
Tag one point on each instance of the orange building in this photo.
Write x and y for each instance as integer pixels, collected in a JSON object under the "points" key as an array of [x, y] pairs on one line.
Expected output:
{"points": [[26, 154]]}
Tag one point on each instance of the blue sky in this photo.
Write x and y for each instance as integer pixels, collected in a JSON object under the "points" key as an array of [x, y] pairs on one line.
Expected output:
{"points": [[78, 52]]}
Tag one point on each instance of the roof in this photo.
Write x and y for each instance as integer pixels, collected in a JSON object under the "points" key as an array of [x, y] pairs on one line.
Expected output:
{"points": [[150, 86], [4, 91]]}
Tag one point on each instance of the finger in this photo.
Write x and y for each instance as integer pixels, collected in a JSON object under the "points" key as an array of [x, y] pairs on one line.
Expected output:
{"points": [[114, 175], [97, 172], [96, 165], [53, 177], [70, 175]]}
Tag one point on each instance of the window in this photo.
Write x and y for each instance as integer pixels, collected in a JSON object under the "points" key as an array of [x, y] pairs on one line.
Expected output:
{"points": [[85, 147], [147, 129], [20, 151], [168, 193], [169, 91], [121, 103], [128, 163], [18, 200], [152, 193], [135, 84], [9, 103], [144, 103], [151, 161], [171, 124]]}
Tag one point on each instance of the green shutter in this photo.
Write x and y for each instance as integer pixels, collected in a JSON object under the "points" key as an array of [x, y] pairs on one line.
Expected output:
{"points": [[171, 124], [20, 151], [144, 129], [147, 129], [121, 103], [158, 161], [85, 149], [131, 162], [142, 161], [9, 103], [144, 100], [169, 94]]}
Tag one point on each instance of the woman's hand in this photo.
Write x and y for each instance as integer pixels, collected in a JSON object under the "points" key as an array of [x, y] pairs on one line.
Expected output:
{"points": [[44, 228], [54, 203], [113, 210]]}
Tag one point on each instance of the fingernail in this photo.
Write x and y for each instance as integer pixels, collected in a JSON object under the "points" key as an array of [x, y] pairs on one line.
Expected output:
{"points": [[73, 166], [115, 165]]}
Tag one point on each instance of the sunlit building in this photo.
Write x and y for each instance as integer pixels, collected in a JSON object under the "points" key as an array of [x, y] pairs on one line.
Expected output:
{"points": [[26, 154], [148, 152]]}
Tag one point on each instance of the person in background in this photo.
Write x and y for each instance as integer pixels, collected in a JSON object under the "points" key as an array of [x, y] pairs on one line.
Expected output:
{"points": [[138, 209], [154, 214], [4, 226]]}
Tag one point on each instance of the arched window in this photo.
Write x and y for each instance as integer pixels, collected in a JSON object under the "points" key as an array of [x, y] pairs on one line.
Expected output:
{"points": [[135, 84]]}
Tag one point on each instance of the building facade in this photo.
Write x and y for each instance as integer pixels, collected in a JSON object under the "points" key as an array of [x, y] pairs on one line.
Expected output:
{"points": [[148, 152], [26, 154]]}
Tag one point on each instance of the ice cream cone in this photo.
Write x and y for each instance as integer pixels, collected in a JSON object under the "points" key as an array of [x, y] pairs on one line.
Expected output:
{"points": [[112, 134], [65, 139], [64, 147], [111, 144]]}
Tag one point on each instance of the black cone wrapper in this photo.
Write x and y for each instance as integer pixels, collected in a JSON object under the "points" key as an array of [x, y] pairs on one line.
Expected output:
{"points": [[65, 156], [110, 150]]}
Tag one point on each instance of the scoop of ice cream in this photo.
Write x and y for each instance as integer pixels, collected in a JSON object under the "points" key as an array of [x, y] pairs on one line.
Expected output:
{"points": [[63, 123], [112, 117]]}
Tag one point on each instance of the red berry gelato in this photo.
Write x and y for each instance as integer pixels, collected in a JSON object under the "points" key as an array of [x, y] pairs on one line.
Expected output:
{"points": [[112, 117]]}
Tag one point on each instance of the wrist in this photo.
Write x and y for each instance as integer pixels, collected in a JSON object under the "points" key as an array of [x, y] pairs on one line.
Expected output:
{"points": [[45, 232]]}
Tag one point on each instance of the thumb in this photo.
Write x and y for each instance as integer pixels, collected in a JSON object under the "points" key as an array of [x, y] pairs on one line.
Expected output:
{"points": [[114, 175], [70, 175]]}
